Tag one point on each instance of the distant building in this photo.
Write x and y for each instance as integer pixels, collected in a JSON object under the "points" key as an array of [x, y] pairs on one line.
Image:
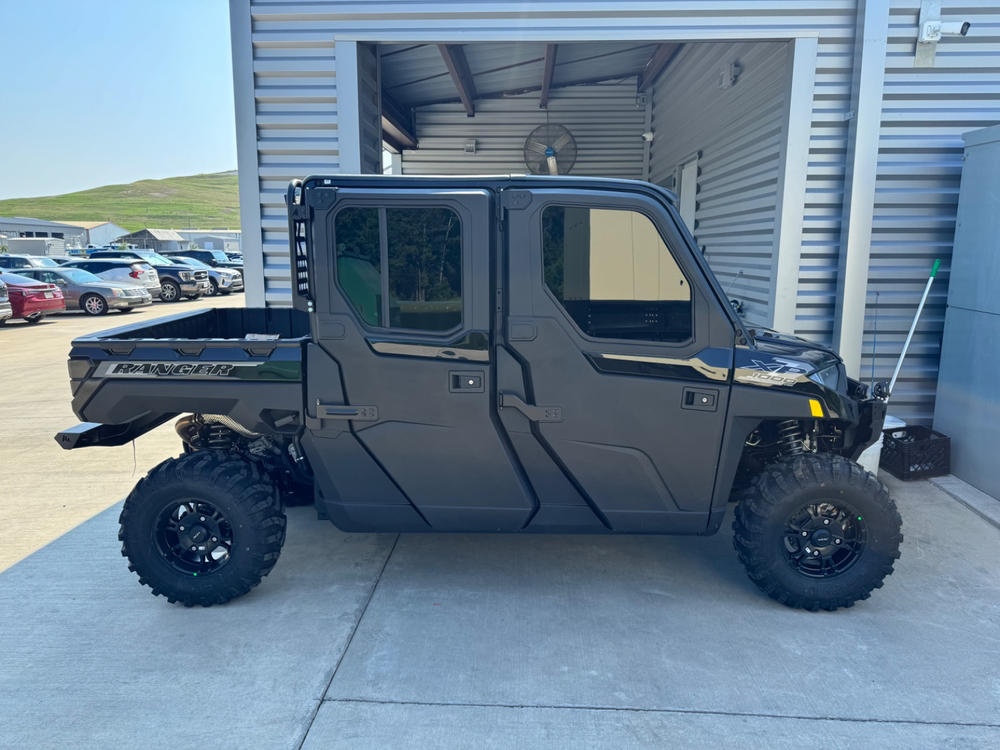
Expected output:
{"points": [[214, 239], [20, 226], [99, 233], [161, 240]]}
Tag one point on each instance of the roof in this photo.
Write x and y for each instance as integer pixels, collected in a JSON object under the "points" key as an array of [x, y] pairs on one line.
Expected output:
{"points": [[36, 222], [156, 234], [416, 74], [88, 224]]}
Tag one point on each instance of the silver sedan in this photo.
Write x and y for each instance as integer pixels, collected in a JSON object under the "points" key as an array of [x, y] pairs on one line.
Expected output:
{"points": [[92, 294]]}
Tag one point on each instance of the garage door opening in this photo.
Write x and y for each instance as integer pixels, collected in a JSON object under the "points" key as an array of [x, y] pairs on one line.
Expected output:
{"points": [[710, 120]]}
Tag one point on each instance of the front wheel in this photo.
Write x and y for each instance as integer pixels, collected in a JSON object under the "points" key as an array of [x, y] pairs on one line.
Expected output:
{"points": [[203, 528], [170, 291], [94, 304], [33, 318], [817, 532]]}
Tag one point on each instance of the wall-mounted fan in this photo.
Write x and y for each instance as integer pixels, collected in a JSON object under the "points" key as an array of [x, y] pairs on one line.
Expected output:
{"points": [[550, 149]]}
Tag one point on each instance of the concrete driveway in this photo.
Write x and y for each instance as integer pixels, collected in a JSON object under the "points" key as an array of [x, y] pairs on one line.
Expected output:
{"points": [[48, 490], [487, 641]]}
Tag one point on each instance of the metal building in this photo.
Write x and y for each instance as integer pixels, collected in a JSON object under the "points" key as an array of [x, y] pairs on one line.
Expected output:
{"points": [[816, 146], [161, 240], [100, 233], [21, 226]]}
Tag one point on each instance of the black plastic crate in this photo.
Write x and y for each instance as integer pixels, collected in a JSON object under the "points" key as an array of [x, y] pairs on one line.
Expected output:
{"points": [[915, 452]]}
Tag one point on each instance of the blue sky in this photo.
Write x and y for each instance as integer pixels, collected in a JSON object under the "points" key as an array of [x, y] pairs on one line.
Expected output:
{"points": [[98, 92]]}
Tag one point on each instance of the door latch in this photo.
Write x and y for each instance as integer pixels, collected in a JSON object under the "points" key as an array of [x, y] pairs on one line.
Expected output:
{"points": [[700, 399]]}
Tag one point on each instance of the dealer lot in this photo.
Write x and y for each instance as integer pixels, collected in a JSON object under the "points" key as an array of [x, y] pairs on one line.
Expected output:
{"points": [[463, 640]]}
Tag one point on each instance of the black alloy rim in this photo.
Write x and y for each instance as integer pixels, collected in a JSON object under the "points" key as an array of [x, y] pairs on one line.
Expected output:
{"points": [[194, 537], [824, 539]]}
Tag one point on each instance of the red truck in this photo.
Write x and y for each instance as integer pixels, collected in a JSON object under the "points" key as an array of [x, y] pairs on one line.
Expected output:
{"points": [[32, 299]]}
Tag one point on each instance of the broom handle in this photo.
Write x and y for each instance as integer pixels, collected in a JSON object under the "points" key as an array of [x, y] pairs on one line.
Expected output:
{"points": [[913, 326]]}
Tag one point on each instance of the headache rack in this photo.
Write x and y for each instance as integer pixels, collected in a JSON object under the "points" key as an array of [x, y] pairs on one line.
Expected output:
{"points": [[298, 214]]}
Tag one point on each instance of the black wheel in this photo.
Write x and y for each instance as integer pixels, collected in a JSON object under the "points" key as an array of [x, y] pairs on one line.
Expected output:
{"points": [[214, 290], [817, 532], [203, 528], [93, 304], [34, 318], [170, 291]]}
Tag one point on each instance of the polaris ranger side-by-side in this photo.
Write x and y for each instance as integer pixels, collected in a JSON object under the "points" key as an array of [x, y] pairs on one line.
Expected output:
{"points": [[532, 354]]}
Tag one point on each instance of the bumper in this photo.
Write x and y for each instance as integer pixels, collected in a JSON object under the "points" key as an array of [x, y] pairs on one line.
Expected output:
{"points": [[127, 303], [234, 286], [154, 291], [6, 311], [190, 288], [871, 418], [33, 305]]}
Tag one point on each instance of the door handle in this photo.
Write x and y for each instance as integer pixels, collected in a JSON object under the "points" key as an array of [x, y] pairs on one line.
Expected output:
{"points": [[700, 399], [466, 381], [532, 412]]}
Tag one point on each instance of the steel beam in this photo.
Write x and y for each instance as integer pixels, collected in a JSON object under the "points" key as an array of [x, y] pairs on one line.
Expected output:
{"points": [[550, 68], [458, 67], [656, 64]]}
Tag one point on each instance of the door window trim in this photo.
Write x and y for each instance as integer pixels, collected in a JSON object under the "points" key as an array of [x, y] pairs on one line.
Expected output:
{"points": [[404, 201], [627, 204]]}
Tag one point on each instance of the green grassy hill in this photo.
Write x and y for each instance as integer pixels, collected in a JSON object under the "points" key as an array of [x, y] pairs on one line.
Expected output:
{"points": [[200, 201]]}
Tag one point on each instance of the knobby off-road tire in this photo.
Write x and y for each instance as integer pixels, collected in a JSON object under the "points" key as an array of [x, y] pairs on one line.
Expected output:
{"points": [[817, 532], [203, 528]]}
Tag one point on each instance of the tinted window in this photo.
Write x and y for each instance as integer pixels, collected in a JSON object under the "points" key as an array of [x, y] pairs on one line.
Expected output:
{"points": [[12, 263], [421, 287], [614, 275]]}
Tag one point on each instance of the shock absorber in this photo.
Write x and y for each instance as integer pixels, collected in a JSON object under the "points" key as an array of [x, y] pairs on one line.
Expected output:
{"points": [[790, 437]]}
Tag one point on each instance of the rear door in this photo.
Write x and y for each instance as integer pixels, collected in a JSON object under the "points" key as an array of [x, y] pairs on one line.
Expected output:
{"points": [[620, 358], [403, 306]]}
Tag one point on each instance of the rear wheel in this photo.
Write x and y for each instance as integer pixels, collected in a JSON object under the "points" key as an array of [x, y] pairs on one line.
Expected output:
{"points": [[817, 532], [202, 529], [170, 291], [33, 318], [93, 304]]}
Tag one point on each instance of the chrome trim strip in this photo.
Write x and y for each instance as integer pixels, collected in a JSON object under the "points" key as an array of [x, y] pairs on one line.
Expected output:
{"points": [[430, 351]]}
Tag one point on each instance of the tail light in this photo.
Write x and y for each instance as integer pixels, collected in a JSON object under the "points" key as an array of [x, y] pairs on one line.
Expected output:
{"points": [[134, 274]]}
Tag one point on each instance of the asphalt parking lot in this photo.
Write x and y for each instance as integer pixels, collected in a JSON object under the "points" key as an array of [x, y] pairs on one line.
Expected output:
{"points": [[458, 641], [48, 490]]}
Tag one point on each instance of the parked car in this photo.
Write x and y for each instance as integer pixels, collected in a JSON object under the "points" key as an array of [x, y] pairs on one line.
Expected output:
{"points": [[176, 279], [64, 259], [212, 258], [223, 280], [31, 299], [235, 257], [126, 271], [92, 294], [18, 261], [6, 312]]}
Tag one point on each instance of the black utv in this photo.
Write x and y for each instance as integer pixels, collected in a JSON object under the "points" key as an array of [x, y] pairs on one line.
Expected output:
{"points": [[529, 354]]}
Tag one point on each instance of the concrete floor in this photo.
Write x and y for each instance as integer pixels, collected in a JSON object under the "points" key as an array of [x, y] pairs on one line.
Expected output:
{"points": [[488, 641], [48, 490]]}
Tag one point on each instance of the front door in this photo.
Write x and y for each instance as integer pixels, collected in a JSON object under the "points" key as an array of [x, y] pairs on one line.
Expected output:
{"points": [[404, 309], [619, 360]]}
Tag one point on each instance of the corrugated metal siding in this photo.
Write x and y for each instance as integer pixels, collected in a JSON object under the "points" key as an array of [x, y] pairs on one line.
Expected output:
{"points": [[369, 98], [739, 135], [604, 118], [295, 91], [924, 113], [302, 32]]}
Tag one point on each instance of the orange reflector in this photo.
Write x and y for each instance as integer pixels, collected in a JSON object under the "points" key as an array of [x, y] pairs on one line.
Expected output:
{"points": [[815, 407]]}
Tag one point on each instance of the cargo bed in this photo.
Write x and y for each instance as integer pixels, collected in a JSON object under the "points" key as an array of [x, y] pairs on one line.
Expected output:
{"points": [[244, 363]]}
